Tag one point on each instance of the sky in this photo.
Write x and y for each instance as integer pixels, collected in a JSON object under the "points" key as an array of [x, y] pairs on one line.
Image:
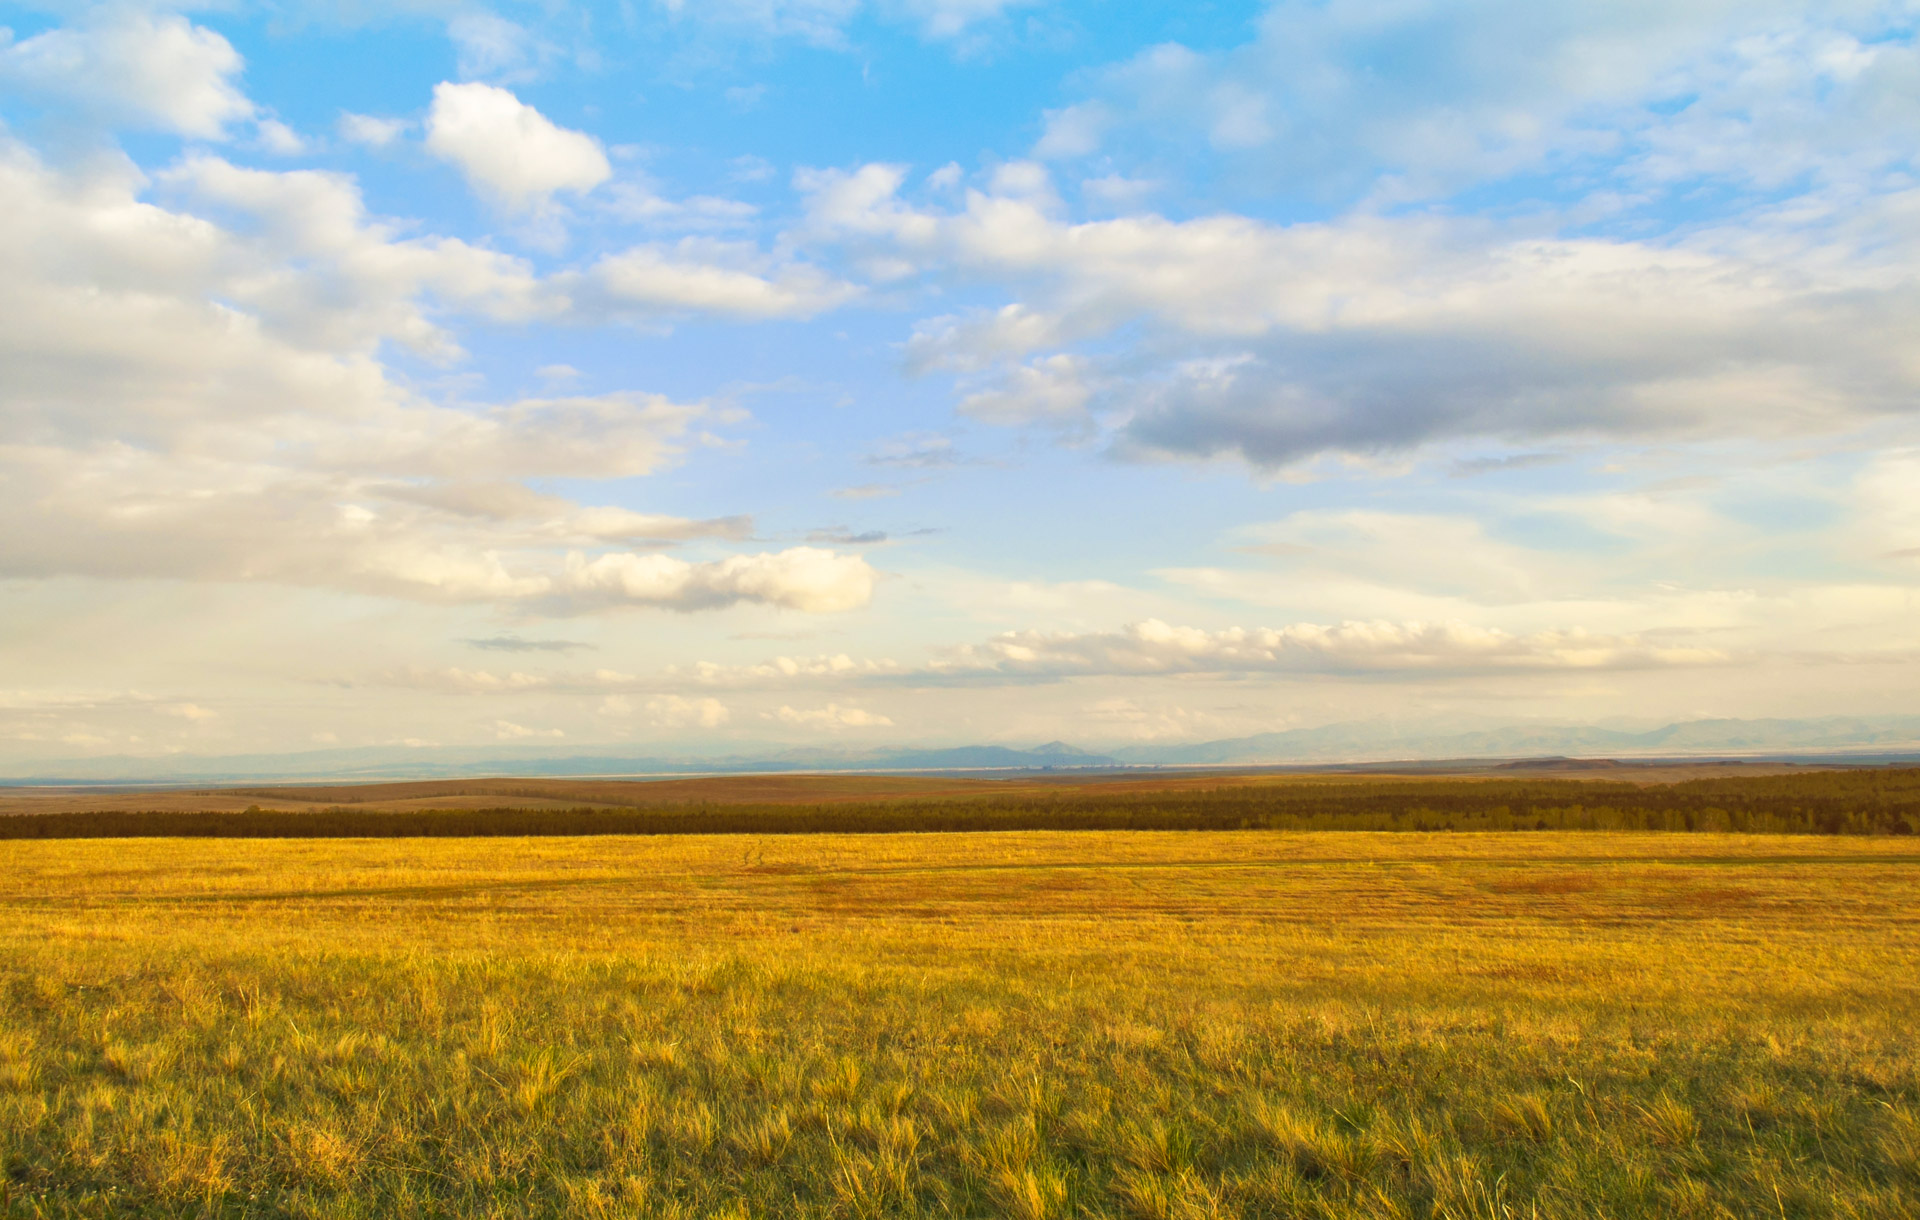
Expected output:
{"points": [[692, 378]]}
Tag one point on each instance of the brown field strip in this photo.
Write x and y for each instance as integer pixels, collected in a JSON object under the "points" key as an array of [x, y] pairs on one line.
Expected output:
{"points": [[529, 793]]}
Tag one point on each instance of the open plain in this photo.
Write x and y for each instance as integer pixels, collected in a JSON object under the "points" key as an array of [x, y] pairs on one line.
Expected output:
{"points": [[1033, 1024]]}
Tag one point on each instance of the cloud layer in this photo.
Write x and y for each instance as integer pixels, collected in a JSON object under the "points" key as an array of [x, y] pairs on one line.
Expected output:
{"points": [[188, 398], [1359, 356], [1367, 334], [1154, 647]]}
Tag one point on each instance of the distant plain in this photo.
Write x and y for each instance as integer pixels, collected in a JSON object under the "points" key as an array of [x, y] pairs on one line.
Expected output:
{"points": [[510, 792]]}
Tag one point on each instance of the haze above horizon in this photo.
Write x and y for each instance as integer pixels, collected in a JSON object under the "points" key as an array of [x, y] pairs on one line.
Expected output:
{"points": [[678, 380]]}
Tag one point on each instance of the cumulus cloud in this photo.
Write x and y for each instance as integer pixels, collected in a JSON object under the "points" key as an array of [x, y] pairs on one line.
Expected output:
{"points": [[969, 343], [831, 717], [194, 399], [1049, 390], [459, 681], [371, 130], [277, 138], [108, 514], [1073, 131], [141, 69], [1377, 329], [800, 578], [507, 150], [1275, 342], [1155, 647], [837, 667], [700, 275], [638, 201], [507, 730], [678, 684], [675, 712], [362, 283], [157, 327]]}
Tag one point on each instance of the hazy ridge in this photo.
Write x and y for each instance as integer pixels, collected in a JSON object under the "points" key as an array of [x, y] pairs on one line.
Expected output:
{"points": [[1352, 742]]}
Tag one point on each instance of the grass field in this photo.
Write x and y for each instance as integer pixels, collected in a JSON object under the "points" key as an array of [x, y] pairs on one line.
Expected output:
{"points": [[1026, 1025]]}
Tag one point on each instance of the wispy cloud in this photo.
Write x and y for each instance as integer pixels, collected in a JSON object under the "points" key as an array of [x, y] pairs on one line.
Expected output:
{"points": [[514, 643]]}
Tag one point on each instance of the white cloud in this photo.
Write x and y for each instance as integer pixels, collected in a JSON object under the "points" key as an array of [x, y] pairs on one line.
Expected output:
{"points": [[820, 22], [361, 283], [800, 578], [492, 48], [1118, 192], [675, 712], [458, 681], [506, 730], [1155, 647], [278, 138], [371, 130], [951, 18], [1888, 495], [1135, 720], [749, 168], [1323, 104], [831, 717], [1073, 131], [1049, 390], [824, 22], [1448, 555], [837, 667], [190, 401], [141, 69], [1276, 342], [109, 512], [706, 276], [507, 150], [981, 340], [635, 200]]}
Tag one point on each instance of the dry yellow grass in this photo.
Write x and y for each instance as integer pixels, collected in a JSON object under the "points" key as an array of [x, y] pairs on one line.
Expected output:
{"points": [[1036, 1024]]}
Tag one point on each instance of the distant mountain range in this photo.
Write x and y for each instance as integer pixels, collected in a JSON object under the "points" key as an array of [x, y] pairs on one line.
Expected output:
{"points": [[1366, 740], [1354, 742]]}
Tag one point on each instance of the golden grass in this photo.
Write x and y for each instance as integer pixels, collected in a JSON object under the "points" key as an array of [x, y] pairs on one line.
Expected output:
{"points": [[1034, 1025]]}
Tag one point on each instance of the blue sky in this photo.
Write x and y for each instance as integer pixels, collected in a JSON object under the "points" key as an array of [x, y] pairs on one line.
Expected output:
{"points": [[700, 377]]}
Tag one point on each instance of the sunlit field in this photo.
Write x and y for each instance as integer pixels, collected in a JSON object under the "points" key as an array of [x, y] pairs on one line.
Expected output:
{"points": [[1033, 1024]]}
